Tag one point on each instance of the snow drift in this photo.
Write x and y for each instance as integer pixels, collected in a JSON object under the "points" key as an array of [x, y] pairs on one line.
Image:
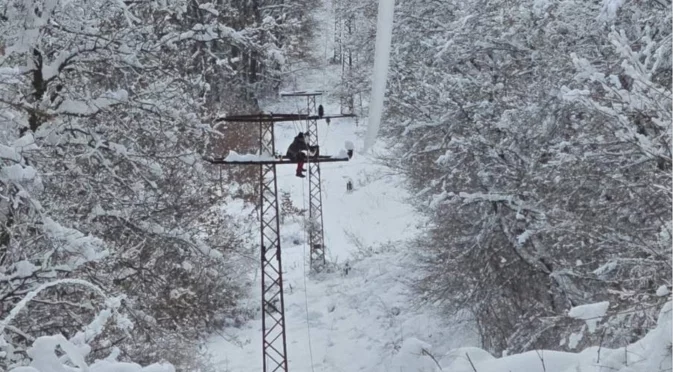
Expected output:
{"points": [[652, 353]]}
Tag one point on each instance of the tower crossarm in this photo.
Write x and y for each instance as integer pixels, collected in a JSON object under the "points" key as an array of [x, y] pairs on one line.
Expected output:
{"points": [[283, 160], [277, 118]]}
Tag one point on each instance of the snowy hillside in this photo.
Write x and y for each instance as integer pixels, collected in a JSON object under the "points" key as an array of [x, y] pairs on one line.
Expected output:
{"points": [[650, 354], [509, 204], [361, 316], [357, 316]]}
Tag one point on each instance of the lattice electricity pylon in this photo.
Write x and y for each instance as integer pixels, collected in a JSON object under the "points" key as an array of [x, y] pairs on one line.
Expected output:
{"points": [[274, 345], [316, 231]]}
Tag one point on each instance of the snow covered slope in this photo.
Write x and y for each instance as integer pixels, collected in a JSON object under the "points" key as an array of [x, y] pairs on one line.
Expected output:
{"points": [[359, 314], [356, 317], [650, 354]]}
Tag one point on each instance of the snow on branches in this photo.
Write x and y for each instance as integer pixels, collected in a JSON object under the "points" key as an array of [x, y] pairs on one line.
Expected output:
{"points": [[104, 115], [53, 353], [547, 178]]}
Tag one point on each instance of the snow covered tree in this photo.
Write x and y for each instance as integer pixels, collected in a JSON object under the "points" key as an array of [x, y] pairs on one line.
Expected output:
{"points": [[105, 109], [538, 140], [355, 33], [56, 352]]}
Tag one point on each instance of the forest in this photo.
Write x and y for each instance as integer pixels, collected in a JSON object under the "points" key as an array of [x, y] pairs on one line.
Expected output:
{"points": [[537, 137], [534, 137]]}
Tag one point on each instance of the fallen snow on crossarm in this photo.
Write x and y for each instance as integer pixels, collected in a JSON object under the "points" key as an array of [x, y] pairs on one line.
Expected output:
{"points": [[236, 157]]}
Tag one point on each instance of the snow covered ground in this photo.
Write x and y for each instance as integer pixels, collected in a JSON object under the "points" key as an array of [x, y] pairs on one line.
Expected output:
{"points": [[360, 313], [652, 353], [357, 316]]}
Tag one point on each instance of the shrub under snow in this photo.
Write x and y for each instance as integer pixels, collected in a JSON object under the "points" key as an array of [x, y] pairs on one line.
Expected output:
{"points": [[56, 353], [652, 353]]}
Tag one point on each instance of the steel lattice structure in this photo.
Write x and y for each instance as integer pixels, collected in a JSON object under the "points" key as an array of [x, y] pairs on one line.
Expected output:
{"points": [[316, 231], [274, 344]]}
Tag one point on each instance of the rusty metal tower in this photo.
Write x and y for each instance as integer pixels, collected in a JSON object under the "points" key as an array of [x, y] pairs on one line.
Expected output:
{"points": [[316, 231], [274, 345]]}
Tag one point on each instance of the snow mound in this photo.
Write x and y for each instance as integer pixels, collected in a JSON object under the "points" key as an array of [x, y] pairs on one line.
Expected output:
{"points": [[590, 313], [663, 291], [459, 359], [531, 361], [650, 354], [414, 357]]}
